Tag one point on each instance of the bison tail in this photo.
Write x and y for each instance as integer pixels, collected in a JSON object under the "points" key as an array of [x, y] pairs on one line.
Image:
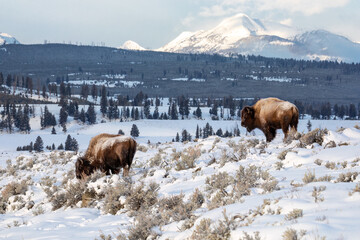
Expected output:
{"points": [[132, 151], [295, 118]]}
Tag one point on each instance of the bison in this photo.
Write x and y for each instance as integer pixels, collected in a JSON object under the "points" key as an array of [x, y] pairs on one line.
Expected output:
{"points": [[270, 114], [106, 152]]}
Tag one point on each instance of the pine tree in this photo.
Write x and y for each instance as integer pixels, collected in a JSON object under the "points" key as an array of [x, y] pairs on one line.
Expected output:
{"points": [[177, 138], [25, 123], [134, 132], [53, 146], [147, 109], [71, 144], [1, 78], [174, 112], [64, 129], [91, 115], [184, 135], [53, 131], [39, 144], [103, 101], [219, 132], [121, 132], [156, 113], [63, 116], [198, 113], [61, 147], [94, 92], [82, 116], [136, 114], [352, 111], [197, 133]]}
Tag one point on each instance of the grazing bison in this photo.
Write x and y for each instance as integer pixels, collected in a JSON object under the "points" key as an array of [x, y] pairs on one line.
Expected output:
{"points": [[106, 152], [270, 114]]}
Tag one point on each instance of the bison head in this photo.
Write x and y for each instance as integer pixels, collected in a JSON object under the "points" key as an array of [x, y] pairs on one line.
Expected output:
{"points": [[83, 168], [248, 118]]}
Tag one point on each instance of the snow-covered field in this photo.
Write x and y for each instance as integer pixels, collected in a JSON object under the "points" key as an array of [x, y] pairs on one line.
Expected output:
{"points": [[215, 188]]}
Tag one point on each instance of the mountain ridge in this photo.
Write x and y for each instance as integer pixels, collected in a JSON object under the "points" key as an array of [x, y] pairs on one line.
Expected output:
{"points": [[244, 35]]}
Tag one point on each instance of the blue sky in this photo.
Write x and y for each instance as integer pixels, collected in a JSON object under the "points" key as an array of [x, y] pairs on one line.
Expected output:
{"points": [[153, 23]]}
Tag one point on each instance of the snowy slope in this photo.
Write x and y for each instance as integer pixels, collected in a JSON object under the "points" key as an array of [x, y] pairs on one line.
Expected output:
{"points": [[281, 199], [131, 45], [242, 34], [7, 39]]}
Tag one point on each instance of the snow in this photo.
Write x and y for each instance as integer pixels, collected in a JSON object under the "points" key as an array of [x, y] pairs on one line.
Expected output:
{"points": [[274, 79], [131, 45], [334, 217], [108, 83]]}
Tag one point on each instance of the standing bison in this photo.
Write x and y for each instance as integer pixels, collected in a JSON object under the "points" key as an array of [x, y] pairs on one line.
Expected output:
{"points": [[106, 152], [270, 114]]}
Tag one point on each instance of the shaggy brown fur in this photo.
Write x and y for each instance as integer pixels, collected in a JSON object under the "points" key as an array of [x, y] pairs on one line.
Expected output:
{"points": [[105, 153], [269, 114]]}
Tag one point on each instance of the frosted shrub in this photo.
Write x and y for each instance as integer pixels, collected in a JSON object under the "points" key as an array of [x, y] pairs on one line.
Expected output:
{"points": [[309, 177], [141, 148], [14, 188], [283, 154], [196, 199], [325, 178], [202, 230], [355, 190], [38, 210], [218, 181], [318, 162], [292, 234], [187, 159], [173, 208], [112, 204], [221, 198], [347, 177], [279, 165], [142, 197], [142, 228], [294, 214], [317, 193], [270, 186], [245, 179], [156, 160], [330, 165], [70, 197], [249, 237]]}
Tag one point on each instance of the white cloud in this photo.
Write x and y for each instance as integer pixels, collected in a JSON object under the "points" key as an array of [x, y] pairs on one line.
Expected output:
{"points": [[287, 22], [187, 21], [306, 7]]}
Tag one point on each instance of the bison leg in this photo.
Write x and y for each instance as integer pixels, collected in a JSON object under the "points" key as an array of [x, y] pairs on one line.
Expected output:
{"points": [[269, 133], [126, 171]]}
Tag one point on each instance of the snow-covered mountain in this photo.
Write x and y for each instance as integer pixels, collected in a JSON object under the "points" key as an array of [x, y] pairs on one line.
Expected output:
{"points": [[7, 39], [131, 45], [242, 34]]}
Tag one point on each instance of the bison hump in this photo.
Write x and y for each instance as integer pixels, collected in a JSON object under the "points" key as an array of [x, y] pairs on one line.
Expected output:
{"points": [[108, 143]]}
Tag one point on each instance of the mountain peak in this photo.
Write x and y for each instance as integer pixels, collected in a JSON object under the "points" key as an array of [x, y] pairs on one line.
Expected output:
{"points": [[7, 39], [131, 45], [242, 34]]}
